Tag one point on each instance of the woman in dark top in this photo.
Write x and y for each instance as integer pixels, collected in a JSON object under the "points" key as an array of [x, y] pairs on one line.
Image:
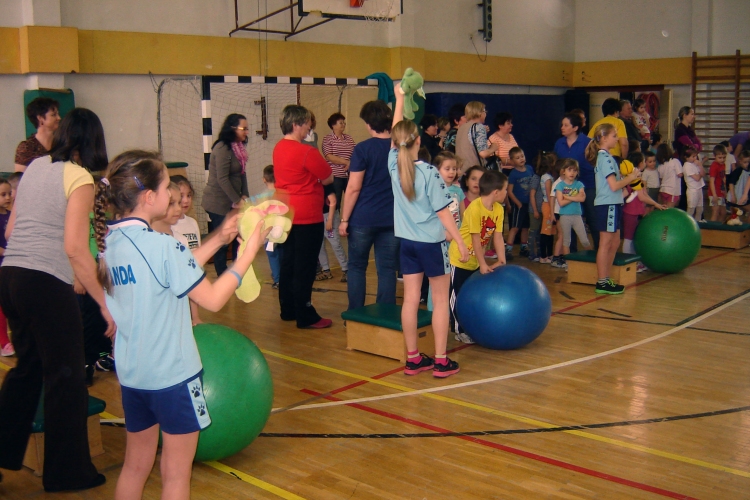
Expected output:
{"points": [[51, 216], [573, 145], [684, 138], [684, 135], [227, 182], [430, 138]]}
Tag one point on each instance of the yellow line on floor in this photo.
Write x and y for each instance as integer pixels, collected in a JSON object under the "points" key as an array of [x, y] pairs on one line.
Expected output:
{"points": [[221, 467], [288, 495], [517, 418]]}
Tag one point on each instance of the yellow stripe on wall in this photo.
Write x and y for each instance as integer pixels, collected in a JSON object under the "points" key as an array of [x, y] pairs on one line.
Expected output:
{"points": [[42, 49]]}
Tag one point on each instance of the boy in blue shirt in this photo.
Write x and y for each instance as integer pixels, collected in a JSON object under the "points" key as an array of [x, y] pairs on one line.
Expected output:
{"points": [[570, 193], [519, 185]]}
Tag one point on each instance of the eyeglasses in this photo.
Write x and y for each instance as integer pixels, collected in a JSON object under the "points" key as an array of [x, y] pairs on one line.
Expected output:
{"points": [[244, 129]]}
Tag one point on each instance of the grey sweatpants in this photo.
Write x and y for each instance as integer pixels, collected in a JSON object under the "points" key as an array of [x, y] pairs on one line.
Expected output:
{"points": [[574, 222], [335, 242]]}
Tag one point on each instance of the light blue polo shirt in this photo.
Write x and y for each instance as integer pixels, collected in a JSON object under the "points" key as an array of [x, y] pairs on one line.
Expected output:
{"points": [[416, 219], [152, 274], [606, 166]]}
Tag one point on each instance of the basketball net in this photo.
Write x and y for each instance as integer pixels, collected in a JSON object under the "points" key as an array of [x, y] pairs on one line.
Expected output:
{"points": [[374, 10]]}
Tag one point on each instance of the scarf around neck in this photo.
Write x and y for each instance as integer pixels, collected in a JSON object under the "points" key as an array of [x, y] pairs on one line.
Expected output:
{"points": [[240, 152]]}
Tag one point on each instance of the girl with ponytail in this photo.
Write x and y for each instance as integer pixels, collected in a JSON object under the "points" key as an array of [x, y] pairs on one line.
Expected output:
{"points": [[607, 203], [149, 277], [421, 218]]}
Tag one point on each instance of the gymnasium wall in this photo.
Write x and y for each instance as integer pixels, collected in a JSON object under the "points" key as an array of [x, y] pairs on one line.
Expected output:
{"points": [[539, 47]]}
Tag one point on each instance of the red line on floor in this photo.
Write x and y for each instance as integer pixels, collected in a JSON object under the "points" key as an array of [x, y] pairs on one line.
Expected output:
{"points": [[516, 451]]}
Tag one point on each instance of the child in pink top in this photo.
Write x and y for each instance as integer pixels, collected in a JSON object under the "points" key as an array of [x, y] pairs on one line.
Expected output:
{"points": [[635, 210]]}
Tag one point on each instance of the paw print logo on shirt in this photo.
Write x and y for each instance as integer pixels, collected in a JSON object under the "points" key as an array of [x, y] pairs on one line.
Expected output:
{"points": [[191, 263], [195, 391], [180, 247]]}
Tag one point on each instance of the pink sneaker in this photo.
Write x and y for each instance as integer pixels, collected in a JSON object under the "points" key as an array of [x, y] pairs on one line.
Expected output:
{"points": [[490, 254], [7, 350], [323, 323]]}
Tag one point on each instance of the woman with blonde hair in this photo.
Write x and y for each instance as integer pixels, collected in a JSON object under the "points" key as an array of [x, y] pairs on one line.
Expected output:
{"points": [[471, 139]]}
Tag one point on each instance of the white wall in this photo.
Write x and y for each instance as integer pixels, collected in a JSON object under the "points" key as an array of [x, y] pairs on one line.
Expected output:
{"points": [[730, 27], [12, 128], [126, 105], [534, 29], [632, 29]]}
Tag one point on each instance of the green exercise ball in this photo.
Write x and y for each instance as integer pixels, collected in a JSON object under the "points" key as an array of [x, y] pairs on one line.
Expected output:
{"points": [[667, 240], [238, 390]]}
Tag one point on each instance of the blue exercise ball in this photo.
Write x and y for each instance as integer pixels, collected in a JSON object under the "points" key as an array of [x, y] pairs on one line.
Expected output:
{"points": [[505, 309]]}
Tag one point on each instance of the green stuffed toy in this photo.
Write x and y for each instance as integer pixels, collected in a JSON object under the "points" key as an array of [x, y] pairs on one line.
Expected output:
{"points": [[411, 83], [272, 213]]}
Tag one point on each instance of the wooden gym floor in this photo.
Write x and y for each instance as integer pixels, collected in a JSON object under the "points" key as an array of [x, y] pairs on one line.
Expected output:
{"points": [[643, 395]]}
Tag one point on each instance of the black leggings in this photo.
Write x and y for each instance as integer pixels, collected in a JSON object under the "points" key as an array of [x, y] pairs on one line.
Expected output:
{"points": [[546, 246], [43, 314], [299, 258]]}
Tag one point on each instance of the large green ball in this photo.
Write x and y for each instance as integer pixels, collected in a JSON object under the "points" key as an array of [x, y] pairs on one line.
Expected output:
{"points": [[238, 390], [667, 240]]}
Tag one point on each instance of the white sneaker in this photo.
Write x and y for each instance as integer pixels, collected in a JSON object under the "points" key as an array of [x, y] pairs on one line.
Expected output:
{"points": [[462, 337], [8, 350]]}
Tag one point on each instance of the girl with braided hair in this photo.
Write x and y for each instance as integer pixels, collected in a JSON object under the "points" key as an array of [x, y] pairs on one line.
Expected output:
{"points": [[149, 277]]}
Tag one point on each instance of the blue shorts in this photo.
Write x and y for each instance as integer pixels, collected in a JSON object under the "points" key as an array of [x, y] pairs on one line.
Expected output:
{"points": [[180, 409], [608, 218], [428, 258], [519, 217]]}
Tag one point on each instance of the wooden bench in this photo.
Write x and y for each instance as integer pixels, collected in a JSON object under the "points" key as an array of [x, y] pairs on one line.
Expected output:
{"points": [[34, 457], [582, 268], [718, 234], [377, 329]]}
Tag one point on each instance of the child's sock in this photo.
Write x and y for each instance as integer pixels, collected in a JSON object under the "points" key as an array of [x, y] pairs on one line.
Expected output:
{"points": [[413, 357], [602, 281], [524, 246], [508, 248], [441, 359], [627, 246]]}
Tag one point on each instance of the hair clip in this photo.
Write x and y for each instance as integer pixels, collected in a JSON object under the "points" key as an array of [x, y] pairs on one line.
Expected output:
{"points": [[402, 144], [105, 181], [139, 183]]}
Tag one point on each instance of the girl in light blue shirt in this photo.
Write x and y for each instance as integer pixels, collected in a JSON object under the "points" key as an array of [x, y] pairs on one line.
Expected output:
{"points": [[421, 216]]}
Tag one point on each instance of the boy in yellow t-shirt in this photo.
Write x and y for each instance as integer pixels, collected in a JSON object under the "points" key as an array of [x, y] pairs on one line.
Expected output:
{"points": [[482, 222]]}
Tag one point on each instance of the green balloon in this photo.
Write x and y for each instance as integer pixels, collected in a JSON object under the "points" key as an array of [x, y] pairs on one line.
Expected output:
{"points": [[668, 240], [238, 390]]}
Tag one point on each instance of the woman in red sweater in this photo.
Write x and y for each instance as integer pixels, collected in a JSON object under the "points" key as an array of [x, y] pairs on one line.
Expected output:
{"points": [[300, 171]]}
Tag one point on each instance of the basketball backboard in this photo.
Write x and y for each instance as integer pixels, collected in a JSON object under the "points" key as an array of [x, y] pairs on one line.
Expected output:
{"points": [[342, 9]]}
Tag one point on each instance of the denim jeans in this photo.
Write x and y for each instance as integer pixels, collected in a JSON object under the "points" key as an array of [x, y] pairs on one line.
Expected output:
{"points": [[361, 240], [274, 261], [220, 257]]}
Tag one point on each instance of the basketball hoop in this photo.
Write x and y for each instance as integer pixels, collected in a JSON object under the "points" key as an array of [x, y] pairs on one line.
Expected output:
{"points": [[377, 10]]}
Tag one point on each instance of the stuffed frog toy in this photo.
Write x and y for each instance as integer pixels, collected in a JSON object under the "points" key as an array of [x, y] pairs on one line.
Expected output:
{"points": [[411, 83]]}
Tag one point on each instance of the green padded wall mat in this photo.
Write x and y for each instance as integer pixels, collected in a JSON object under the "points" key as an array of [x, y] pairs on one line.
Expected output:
{"points": [[64, 96]]}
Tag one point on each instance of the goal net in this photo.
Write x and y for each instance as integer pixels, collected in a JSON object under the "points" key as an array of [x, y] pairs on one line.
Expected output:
{"points": [[184, 115]]}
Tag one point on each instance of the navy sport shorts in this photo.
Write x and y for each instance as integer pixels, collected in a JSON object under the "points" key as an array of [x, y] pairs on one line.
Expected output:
{"points": [[180, 409], [428, 258]]}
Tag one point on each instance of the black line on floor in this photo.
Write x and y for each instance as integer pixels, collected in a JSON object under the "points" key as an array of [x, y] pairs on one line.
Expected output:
{"points": [[715, 331], [627, 320], [615, 313], [709, 309], [535, 430], [567, 296]]}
